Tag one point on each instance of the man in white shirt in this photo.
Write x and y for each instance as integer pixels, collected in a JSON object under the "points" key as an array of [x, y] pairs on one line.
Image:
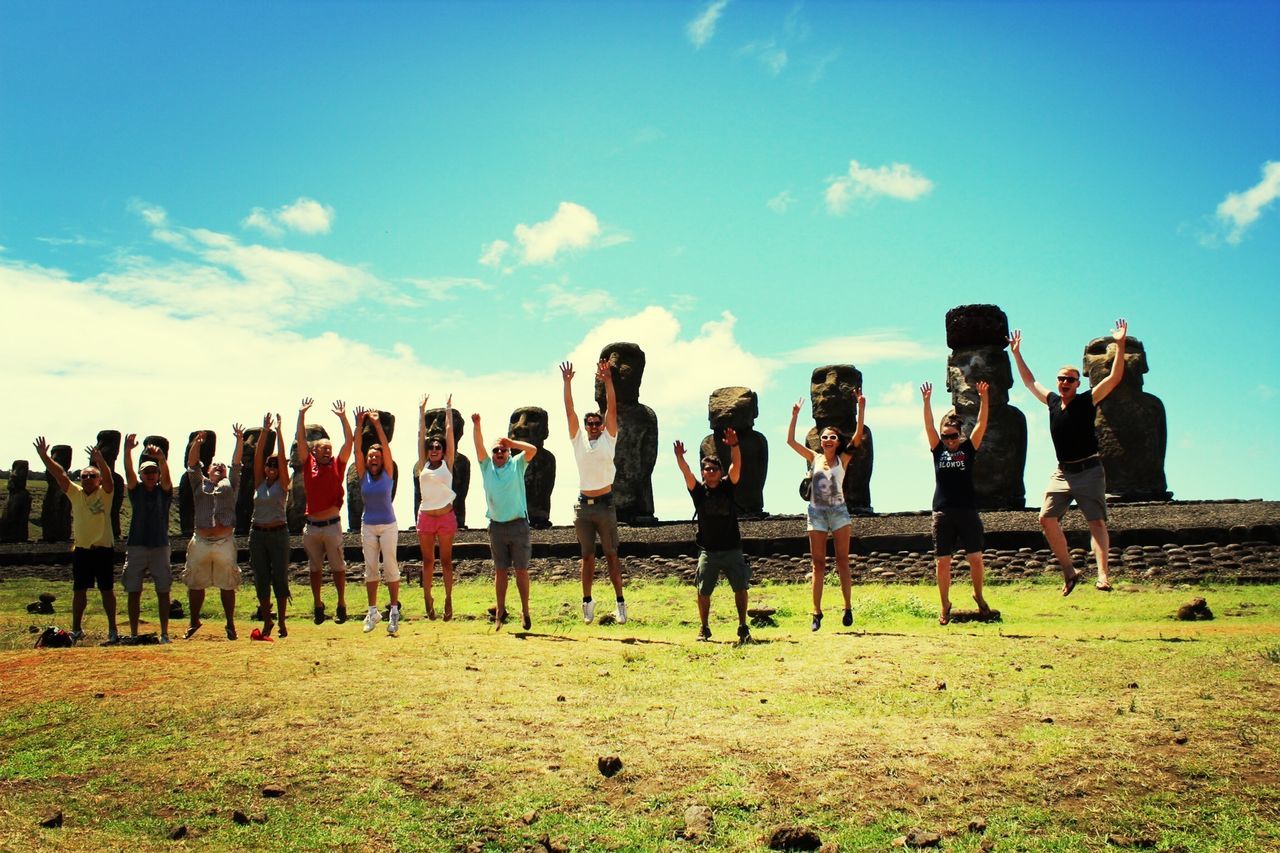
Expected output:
{"points": [[594, 514]]}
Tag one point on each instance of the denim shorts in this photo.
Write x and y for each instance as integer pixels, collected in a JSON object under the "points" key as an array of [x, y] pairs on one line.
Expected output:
{"points": [[828, 519]]}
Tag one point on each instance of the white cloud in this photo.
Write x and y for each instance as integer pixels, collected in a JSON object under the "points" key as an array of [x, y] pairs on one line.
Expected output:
{"points": [[1264, 391], [78, 240], [898, 181], [702, 28], [781, 202], [863, 349], [305, 216], [558, 301], [572, 227], [443, 288], [1238, 211], [768, 54], [491, 254], [821, 64]]}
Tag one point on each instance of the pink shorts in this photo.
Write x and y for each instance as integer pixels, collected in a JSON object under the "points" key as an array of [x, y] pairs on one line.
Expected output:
{"points": [[437, 525]]}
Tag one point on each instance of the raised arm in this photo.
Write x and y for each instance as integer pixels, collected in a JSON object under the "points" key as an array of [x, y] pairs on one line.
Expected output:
{"points": [[689, 480], [1040, 392], [1107, 385], [301, 450], [567, 374], [282, 461], [422, 431], [984, 391], [610, 398], [130, 476], [450, 448], [791, 435], [193, 453], [100, 462], [237, 458], [388, 462], [56, 471], [735, 454], [930, 431], [360, 413], [481, 453], [162, 459], [861, 403], [260, 452], [348, 437], [529, 450]]}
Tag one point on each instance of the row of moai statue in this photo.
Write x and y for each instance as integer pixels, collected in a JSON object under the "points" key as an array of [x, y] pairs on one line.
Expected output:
{"points": [[1131, 428]]}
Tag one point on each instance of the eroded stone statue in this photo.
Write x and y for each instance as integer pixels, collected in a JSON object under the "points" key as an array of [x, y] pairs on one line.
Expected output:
{"points": [[738, 407], [637, 448], [461, 464], [368, 438], [296, 509], [530, 424], [1130, 423], [186, 503], [55, 514], [978, 336], [108, 442], [833, 391], [17, 505]]}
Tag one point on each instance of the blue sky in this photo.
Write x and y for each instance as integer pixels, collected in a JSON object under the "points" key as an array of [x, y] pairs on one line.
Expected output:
{"points": [[209, 210]]}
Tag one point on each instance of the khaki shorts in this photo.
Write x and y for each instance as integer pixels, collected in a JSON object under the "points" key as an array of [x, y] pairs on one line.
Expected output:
{"points": [[597, 519], [732, 564], [212, 563], [1089, 488]]}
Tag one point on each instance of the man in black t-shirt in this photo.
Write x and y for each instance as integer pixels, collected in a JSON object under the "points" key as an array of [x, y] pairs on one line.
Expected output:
{"points": [[719, 542], [955, 508], [1079, 473]]}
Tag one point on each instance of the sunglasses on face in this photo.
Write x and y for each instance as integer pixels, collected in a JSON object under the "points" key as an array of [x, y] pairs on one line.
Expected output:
{"points": [[89, 476], [436, 447], [498, 451], [950, 436], [1070, 380]]}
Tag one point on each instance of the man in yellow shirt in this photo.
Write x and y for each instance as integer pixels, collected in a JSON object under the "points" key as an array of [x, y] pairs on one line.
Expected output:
{"points": [[93, 552]]}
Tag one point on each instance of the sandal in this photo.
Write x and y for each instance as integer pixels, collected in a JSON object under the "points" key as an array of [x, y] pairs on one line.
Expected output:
{"points": [[448, 609], [191, 631], [1102, 586], [816, 623], [431, 608], [1070, 584], [945, 617], [983, 607]]}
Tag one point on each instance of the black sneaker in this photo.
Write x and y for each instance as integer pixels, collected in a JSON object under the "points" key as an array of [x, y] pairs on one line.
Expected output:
{"points": [[816, 623], [704, 634], [320, 617], [744, 635], [848, 618], [342, 615], [528, 623]]}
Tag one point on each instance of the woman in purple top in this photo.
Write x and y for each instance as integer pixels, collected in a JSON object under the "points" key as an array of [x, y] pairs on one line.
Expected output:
{"points": [[378, 531], [955, 506]]}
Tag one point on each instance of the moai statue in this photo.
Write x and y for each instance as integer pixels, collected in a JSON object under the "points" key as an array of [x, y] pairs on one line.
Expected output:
{"points": [[1131, 426], [978, 336], [637, 448], [178, 468], [55, 514], [739, 407], [368, 438], [244, 497], [296, 509], [17, 506], [833, 393], [461, 464], [108, 442], [529, 424]]}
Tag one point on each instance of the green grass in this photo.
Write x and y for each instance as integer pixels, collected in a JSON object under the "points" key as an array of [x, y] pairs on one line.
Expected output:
{"points": [[1057, 726]]}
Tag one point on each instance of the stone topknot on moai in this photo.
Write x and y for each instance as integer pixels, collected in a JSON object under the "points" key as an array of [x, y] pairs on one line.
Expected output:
{"points": [[529, 424], [637, 447], [978, 336], [461, 464], [1130, 423], [368, 438], [17, 505], [738, 407], [108, 442], [186, 500], [833, 391], [296, 509], [55, 513]]}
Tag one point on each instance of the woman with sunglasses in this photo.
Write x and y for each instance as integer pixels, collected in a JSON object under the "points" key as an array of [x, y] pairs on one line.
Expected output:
{"points": [[269, 532], [378, 534], [828, 512], [506, 506], [955, 506], [436, 518]]}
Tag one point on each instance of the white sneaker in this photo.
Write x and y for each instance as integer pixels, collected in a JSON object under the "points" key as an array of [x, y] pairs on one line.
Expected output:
{"points": [[621, 613], [589, 611], [393, 623], [373, 617]]}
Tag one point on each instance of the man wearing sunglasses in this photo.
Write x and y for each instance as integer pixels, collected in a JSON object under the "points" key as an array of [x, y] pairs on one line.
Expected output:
{"points": [[1079, 474], [506, 505], [594, 514], [93, 552]]}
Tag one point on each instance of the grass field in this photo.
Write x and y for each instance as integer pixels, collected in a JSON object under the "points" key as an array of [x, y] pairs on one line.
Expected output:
{"points": [[1070, 721]]}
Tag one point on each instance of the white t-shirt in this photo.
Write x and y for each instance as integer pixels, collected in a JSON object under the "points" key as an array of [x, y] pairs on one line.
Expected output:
{"points": [[595, 460], [436, 485]]}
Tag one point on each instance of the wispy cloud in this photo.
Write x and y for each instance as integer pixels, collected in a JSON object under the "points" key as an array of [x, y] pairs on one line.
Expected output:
{"points": [[1238, 211], [572, 228], [304, 216], [820, 65], [78, 240], [443, 288], [702, 28], [768, 54], [897, 180], [863, 349], [556, 301], [781, 202]]}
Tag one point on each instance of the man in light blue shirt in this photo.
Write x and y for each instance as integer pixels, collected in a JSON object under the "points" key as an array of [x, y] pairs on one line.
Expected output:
{"points": [[502, 468]]}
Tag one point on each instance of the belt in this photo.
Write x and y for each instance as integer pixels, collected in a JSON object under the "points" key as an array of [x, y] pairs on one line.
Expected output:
{"points": [[591, 500], [278, 526], [1082, 465], [324, 523]]}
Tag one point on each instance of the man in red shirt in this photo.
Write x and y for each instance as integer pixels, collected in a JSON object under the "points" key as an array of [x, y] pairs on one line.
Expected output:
{"points": [[323, 477]]}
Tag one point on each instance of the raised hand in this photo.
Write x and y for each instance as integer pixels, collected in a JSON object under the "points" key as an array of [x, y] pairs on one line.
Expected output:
{"points": [[504, 442], [475, 418], [730, 437], [795, 410], [340, 408], [1015, 341], [926, 391], [679, 448], [266, 422], [448, 405], [603, 373], [372, 414], [131, 441], [307, 402], [566, 371], [238, 431], [199, 439], [983, 389], [859, 399], [41, 446], [360, 412], [92, 452], [278, 426], [422, 404], [1121, 330], [154, 451]]}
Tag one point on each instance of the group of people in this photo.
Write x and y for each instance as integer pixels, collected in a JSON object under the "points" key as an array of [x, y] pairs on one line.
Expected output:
{"points": [[211, 560]]}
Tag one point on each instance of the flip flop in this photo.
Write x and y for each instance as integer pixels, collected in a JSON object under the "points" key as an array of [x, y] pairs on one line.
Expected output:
{"points": [[1070, 585], [191, 631], [1102, 586], [945, 618], [983, 607]]}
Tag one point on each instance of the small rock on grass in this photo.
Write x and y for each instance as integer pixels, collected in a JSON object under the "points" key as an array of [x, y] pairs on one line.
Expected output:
{"points": [[53, 821], [978, 824], [793, 838], [1115, 839], [609, 765], [559, 844], [178, 833], [528, 817], [1179, 739], [697, 823], [923, 838], [272, 791], [240, 818], [1193, 610]]}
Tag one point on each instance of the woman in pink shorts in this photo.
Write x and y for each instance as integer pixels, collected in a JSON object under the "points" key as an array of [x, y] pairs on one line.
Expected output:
{"points": [[436, 520]]}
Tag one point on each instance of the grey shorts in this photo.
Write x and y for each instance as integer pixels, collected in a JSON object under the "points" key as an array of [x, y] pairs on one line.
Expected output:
{"points": [[139, 560], [1089, 488], [269, 561], [711, 564], [952, 526], [590, 520], [511, 544]]}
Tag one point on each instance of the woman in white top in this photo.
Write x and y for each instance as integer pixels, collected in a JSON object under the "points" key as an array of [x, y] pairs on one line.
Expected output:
{"points": [[828, 513], [436, 519]]}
